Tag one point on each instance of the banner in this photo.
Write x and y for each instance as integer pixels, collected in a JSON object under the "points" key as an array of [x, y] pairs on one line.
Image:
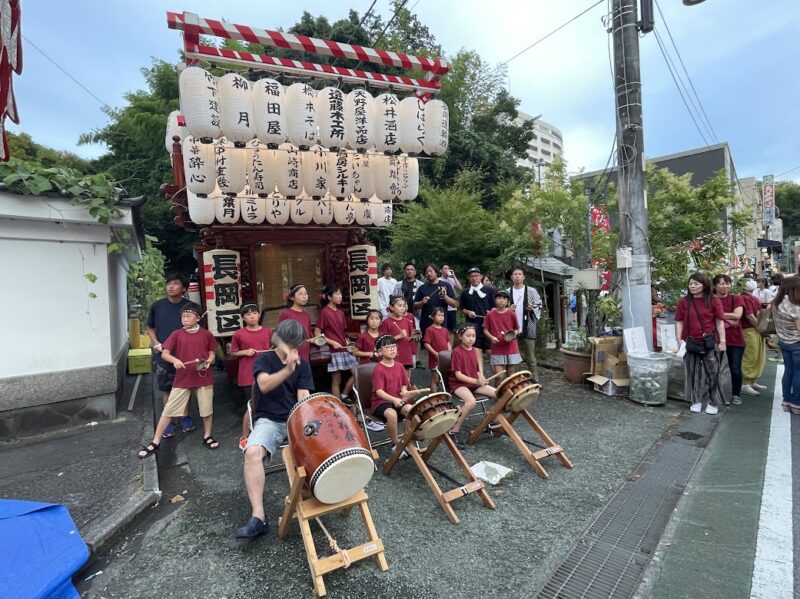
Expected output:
{"points": [[223, 291], [362, 261], [768, 194], [601, 221]]}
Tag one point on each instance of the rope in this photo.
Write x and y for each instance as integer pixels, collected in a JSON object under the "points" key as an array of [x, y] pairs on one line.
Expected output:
{"points": [[334, 545]]}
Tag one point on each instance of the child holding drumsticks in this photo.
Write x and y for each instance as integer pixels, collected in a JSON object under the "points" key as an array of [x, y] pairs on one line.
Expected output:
{"points": [[390, 388], [365, 344], [436, 339], [331, 323], [499, 322]]}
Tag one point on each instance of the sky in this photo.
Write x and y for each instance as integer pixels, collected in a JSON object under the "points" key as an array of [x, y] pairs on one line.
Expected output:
{"points": [[742, 56]]}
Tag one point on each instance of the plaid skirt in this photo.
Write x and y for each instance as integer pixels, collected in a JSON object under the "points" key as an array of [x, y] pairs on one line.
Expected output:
{"points": [[702, 378], [342, 360]]}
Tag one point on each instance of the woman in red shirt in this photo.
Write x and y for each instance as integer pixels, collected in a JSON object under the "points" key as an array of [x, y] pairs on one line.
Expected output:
{"points": [[296, 300], [755, 351], [699, 314], [331, 323], [733, 310]]}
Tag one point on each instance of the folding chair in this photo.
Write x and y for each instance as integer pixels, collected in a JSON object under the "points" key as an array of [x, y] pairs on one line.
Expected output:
{"points": [[363, 392], [443, 372], [277, 460]]}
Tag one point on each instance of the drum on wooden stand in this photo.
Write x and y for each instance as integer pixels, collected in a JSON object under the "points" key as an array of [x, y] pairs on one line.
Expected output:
{"points": [[437, 412], [520, 389], [326, 440]]}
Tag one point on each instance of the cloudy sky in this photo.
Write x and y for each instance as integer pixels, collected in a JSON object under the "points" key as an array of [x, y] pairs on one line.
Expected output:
{"points": [[743, 58]]}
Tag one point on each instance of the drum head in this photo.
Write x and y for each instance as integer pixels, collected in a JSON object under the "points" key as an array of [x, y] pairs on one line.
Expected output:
{"points": [[524, 398], [342, 475], [432, 399], [513, 379], [437, 425]]}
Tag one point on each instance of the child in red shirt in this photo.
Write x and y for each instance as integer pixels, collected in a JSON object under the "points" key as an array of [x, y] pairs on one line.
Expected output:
{"points": [[436, 339], [497, 323], [296, 300], [390, 397], [400, 325], [331, 323], [365, 344]]}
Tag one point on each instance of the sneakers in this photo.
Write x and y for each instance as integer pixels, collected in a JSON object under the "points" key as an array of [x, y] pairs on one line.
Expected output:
{"points": [[255, 527], [759, 387], [375, 426], [457, 440], [696, 408], [736, 400], [187, 425], [787, 407], [749, 390], [348, 401], [169, 432], [713, 410]]}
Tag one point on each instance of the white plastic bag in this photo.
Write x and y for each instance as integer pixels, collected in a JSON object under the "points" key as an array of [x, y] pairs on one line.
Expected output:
{"points": [[489, 472]]}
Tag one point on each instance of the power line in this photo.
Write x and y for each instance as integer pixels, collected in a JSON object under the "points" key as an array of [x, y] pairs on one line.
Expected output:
{"points": [[350, 37], [791, 170]]}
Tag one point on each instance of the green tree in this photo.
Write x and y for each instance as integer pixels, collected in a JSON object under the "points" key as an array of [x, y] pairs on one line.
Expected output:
{"points": [[787, 199], [22, 146]]}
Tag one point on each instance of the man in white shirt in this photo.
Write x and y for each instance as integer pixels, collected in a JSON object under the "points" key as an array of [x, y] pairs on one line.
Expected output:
{"points": [[386, 285], [527, 304]]}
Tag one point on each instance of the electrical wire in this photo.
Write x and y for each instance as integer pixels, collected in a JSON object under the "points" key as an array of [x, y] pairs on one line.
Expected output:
{"points": [[791, 170], [350, 38]]}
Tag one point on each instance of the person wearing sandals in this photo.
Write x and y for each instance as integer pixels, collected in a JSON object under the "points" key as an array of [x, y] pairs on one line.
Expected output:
{"points": [[191, 350], [331, 322], [786, 311], [282, 379]]}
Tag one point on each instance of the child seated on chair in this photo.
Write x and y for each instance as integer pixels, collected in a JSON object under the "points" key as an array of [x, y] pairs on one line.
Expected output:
{"points": [[436, 339], [466, 379], [390, 388]]}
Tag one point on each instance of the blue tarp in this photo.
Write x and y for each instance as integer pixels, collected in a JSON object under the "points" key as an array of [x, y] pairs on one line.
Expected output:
{"points": [[40, 550]]}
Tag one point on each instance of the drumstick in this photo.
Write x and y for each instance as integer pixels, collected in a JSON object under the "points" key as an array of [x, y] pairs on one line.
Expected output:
{"points": [[494, 376]]}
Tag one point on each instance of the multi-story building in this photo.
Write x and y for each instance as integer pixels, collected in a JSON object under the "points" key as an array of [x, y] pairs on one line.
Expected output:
{"points": [[547, 143]]}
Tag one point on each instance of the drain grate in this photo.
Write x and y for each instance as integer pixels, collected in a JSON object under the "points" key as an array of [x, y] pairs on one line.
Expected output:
{"points": [[610, 557]]}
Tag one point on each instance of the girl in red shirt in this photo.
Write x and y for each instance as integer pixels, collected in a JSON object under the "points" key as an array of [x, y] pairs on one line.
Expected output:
{"points": [[331, 323], [296, 300], [400, 325], [497, 323], [733, 310], [436, 339], [365, 344]]}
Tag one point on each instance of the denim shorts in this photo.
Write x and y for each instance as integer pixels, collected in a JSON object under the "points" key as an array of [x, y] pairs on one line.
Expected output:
{"points": [[268, 434]]}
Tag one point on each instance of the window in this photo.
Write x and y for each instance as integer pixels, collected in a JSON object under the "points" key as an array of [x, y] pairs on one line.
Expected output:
{"points": [[556, 146], [534, 148], [546, 152], [546, 141]]}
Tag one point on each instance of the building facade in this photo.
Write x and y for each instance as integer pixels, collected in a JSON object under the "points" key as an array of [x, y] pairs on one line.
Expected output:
{"points": [[547, 143]]}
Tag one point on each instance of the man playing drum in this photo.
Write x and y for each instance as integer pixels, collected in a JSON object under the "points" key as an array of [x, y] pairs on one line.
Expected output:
{"points": [[283, 379]]}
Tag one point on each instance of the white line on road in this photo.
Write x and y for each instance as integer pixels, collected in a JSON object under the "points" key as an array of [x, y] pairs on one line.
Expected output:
{"points": [[773, 570], [133, 393]]}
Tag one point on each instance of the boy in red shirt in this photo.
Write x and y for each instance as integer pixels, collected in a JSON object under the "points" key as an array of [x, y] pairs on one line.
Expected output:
{"points": [[496, 325], [191, 351], [390, 384], [436, 339]]}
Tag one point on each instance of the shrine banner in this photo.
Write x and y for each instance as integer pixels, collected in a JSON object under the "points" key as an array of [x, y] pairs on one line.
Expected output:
{"points": [[223, 291], [362, 261]]}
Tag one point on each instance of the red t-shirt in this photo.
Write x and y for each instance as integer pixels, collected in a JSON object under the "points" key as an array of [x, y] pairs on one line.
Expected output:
{"points": [[366, 342], [247, 339], [498, 323], [187, 347], [389, 379], [405, 347], [751, 306], [686, 314], [733, 330], [438, 338], [332, 324], [305, 320], [464, 361]]}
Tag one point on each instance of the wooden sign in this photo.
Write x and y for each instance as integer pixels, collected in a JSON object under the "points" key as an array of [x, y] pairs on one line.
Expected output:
{"points": [[362, 261], [223, 291]]}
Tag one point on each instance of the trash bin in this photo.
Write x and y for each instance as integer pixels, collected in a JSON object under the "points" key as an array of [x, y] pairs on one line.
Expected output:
{"points": [[677, 377], [649, 378]]}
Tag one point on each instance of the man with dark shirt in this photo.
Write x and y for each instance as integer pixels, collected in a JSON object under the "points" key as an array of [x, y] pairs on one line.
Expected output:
{"points": [[434, 293], [476, 301]]}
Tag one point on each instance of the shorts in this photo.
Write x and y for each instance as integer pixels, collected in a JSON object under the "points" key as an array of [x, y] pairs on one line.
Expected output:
{"points": [[165, 374], [505, 360], [450, 322], [179, 399], [268, 434], [342, 360], [378, 412]]}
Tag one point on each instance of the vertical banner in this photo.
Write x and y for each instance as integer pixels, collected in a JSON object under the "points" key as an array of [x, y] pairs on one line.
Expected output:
{"points": [[768, 193], [362, 261], [600, 221], [223, 291]]}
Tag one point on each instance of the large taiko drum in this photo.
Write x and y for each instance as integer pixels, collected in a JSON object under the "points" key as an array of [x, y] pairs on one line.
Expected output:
{"points": [[437, 412], [326, 440], [520, 389]]}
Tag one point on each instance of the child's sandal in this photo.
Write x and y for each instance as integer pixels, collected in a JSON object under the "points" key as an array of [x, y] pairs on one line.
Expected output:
{"points": [[147, 450], [210, 442]]}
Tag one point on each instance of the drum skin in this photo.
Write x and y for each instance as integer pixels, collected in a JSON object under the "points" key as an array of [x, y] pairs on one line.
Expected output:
{"points": [[325, 439], [521, 390], [437, 413]]}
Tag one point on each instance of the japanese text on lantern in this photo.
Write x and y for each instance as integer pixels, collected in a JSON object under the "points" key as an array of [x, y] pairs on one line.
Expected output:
{"points": [[223, 291], [362, 261]]}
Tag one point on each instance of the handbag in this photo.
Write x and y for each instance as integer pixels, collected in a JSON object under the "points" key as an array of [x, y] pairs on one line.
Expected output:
{"points": [[704, 345], [765, 322]]}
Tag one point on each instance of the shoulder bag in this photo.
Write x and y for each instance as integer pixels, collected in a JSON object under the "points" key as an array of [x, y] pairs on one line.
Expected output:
{"points": [[765, 322], [704, 345]]}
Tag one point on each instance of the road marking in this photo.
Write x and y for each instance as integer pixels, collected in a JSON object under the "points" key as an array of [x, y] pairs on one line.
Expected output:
{"points": [[773, 569], [133, 393]]}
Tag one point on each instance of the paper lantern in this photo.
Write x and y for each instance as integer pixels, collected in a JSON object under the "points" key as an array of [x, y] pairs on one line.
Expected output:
{"points": [[387, 177], [314, 171], [262, 166], [287, 170], [381, 212], [363, 210], [198, 166], [277, 209], [340, 174], [226, 209], [344, 212], [269, 112], [409, 179], [253, 208], [386, 124], [330, 118], [437, 128], [201, 209], [412, 125], [323, 210], [301, 115], [173, 129], [301, 210], [199, 103], [359, 118], [363, 175], [236, 109], [231, 166]]}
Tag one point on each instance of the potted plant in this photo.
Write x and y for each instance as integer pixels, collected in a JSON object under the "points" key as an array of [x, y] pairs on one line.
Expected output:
{"points": [[577, 355]]}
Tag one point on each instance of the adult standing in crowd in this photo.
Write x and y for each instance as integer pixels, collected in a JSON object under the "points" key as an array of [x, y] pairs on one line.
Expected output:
{"points": [[786, 310], [408, 286], [733, 311], [449, 276], [476, 301], [764, 295], [527, 303], [434, 293], [386, 287], [163, 319], [755, 351]]}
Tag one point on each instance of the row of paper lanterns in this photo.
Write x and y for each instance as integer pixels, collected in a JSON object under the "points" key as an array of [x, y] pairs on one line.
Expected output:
{"points": [[316, 172], [276, 209], [240, 110]]}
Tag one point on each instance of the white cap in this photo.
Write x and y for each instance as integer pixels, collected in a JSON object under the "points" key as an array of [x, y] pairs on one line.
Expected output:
{"points": [[751, 285]]}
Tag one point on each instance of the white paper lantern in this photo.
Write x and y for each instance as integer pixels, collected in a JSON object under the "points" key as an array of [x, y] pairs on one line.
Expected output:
{"points": [[226, 209], [269, 112], [301, 210], [363, 174], [409, 179], [200, 104], [287, 171], [412, 125], [277, 209], [201, 210], [344, 211], [323, 210], [340, 174], [198, 166], [314, 171], [437, 128], [262, 166], [387, 126], [381, 212], [330, 117], [253, 208], [236, 109], [173, 129], [363, 210], [359, 118], [301, 115], [387, 177], [231, 166]]}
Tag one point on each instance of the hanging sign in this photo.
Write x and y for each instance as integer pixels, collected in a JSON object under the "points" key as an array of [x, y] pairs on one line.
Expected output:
{"points": [[223, 291], [362, 261]]}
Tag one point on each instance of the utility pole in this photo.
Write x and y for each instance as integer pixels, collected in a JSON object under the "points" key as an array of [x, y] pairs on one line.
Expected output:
{"points": [[635, 279]]}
